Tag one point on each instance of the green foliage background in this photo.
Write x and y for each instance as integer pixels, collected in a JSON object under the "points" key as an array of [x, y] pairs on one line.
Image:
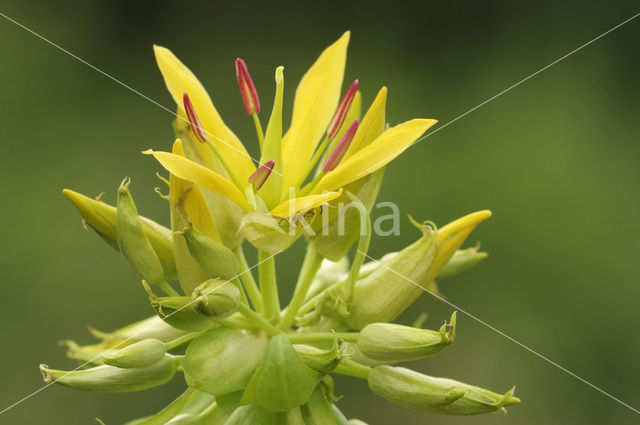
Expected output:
{"points": [[556, 159]]}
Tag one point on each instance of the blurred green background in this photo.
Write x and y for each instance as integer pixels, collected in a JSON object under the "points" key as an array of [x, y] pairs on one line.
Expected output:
{"points": [[556, 159]]}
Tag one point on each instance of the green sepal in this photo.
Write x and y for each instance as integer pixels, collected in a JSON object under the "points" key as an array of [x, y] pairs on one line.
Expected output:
{"points": [[169, 412], [110, 379], [230, 401], [390, 342], [283, 381], [101, 217], [139, 354], [252, 414], [269, 233], [338, 226], [435, 395], [132, 239], [222, 360], [214, 258]]}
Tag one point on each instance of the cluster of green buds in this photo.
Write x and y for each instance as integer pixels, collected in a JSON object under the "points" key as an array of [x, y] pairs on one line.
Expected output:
{"points": [[245, 359]]}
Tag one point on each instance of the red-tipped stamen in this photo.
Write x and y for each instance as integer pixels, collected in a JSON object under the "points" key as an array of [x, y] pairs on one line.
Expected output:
{"points": [[261, 175], [341, 113], [194, 121], [247, 89], [341, 149]]}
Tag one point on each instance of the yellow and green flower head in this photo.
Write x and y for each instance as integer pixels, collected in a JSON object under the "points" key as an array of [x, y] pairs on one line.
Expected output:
{"points": [[218, 321], [326, 135]]}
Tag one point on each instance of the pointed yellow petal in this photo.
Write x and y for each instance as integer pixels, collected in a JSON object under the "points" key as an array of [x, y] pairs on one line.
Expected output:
{"points": [[372, 124], [188, 170], [371, 158], [316, 99], [193, 204], [180, 79], [294, 206]]}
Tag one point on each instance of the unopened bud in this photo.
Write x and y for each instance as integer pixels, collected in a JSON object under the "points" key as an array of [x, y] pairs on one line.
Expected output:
{"points": [[215, 259], [341, 148], [260, 176], [341, 113], [390, 342], [133, 241], [179, 312], [101, 217], [247, 89], [194, 121], [139, 354], [110, 379], [462, 260], [216, 298], [323, 361], [435, 395]]}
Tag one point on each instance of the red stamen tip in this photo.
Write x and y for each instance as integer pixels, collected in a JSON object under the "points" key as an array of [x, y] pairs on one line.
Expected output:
{"points": [[196, 127], [341, 148], [247, 89], [260, 176], [343, 108]]}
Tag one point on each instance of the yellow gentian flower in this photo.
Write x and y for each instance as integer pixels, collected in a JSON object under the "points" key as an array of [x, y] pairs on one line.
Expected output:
{"points": [[278, 188]]}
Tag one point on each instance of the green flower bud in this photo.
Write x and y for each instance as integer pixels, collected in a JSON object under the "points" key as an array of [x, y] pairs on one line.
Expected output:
{"points": [[133, 241], [462, 260], [139, 354], [152, 327], [112, 379], [317, 411], [387, 292], [222, 360], [174, 408], [216, 298], [179, 312], [215, 259], [329, 273], [389, 342], [252, 414], [435, 395], [283, 381], [323, 361], [101, 217]]}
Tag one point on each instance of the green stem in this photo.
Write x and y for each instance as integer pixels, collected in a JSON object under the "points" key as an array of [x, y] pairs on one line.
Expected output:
{"points": [[351, 368], [314, 160], [243, 296], [361, 251], [310, 267], [248, 281], [226, 165], [259, 131], [257, 320], [268, 286], [168, 289], [297, 337], [311, 302], [175, 343]]}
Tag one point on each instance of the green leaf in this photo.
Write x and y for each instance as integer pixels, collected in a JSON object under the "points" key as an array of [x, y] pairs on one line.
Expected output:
{"points": [[222, 360], [283, 381]]}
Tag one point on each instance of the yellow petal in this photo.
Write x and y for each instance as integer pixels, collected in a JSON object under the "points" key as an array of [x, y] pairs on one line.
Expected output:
{"points": [[188, 170], [316, 99], [193, 204], [292, 207], [179, 79], [371, 158], [372, 124]]}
